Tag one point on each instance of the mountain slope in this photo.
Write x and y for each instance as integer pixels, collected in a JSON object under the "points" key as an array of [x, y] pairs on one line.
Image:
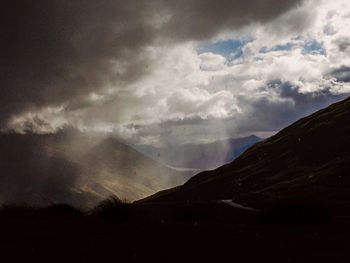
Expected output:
{"points": [[123, 171], [200, 156], [76, 168], [309, 160]]}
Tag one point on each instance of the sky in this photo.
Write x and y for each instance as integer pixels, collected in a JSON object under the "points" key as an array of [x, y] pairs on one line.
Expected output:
{"points": [[163, 72]]}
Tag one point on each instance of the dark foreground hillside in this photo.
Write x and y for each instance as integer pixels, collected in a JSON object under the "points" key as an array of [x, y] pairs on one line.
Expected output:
{"points": [[197, 232], [308, 161]]}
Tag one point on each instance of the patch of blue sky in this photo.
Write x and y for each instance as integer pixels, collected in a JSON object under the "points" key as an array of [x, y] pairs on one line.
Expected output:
{"points": [[309, 47], [314, 47], [230, 49], [283, 47]]}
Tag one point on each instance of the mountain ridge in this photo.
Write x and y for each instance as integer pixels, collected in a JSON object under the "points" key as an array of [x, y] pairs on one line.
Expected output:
{"points": [[200, 156]]}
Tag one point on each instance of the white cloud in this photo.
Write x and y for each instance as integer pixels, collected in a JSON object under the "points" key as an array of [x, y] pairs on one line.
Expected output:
{"points": [[41, 121], [212, 62]]}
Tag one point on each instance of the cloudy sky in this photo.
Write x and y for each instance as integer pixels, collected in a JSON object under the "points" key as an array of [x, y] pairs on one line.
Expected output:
{"points": [[162, 71]]}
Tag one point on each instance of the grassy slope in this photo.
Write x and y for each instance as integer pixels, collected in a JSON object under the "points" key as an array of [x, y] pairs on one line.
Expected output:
{"points": [[308, 160]]}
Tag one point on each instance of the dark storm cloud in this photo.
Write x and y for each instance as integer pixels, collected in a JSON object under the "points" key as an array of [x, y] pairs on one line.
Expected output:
{"points": [[314, 99], [266, 114], [343, 43], [58, 51], [55, 51], [200, 19], [341, 74], [184, 121]]}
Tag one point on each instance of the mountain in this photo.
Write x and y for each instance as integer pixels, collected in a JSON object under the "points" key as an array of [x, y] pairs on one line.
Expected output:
{"points": [[76, 168], [309, 160], [200, 156]]}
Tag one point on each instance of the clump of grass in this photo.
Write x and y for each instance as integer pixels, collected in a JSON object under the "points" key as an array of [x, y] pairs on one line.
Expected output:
{"points": [[113, 209]]}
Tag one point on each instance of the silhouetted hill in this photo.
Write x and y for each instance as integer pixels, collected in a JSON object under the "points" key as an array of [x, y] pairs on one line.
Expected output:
{"points": [[76, 168], [200, 156], [309, 160]]}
